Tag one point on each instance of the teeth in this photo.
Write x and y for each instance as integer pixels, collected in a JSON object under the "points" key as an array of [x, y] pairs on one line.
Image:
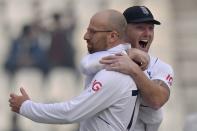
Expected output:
{"points": [[144, 40]]}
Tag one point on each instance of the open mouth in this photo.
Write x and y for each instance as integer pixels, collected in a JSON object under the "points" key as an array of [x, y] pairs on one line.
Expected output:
{"points": [[143, 43]]}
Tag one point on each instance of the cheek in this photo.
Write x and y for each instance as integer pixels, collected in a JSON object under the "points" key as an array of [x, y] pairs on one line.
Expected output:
{"points": [[132, 38], [96, 44], [101, 44], [132, 35]]}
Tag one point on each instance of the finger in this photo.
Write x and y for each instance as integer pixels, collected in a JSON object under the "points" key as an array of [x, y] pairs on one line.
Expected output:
{"points": [[111, 68], [144, 66], [14, 109], [11, 100], [12, 105], [109, 57], [120, 54], [12, 95], [107, 61], [131, 55], [23, 92]]}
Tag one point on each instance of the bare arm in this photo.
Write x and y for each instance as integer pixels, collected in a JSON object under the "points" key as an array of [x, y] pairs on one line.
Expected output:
{"points": [[154, 92]]}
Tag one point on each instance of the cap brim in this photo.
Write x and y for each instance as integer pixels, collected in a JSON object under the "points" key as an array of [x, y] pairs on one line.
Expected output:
{"points": [[151, 21]]}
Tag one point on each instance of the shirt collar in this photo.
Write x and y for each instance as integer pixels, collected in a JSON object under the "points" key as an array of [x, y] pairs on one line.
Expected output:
{"points": [[120, 47]]}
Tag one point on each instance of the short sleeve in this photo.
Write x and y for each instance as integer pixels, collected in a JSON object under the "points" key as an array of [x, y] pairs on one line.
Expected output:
{"points": [[162, 71]]}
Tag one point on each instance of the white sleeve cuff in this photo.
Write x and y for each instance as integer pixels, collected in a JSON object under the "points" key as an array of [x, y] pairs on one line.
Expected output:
{"points": [[22, 108]]}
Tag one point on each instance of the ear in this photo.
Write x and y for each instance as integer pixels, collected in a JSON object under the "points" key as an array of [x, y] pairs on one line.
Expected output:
{"points": [[114, 36]]}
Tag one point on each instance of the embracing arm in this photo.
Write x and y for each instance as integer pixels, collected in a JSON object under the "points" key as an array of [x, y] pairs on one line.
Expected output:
{"points": [[90, 63], [154, 92]]}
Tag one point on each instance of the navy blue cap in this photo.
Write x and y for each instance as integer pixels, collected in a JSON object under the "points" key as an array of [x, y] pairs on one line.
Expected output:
{"points": [[139, 14]]}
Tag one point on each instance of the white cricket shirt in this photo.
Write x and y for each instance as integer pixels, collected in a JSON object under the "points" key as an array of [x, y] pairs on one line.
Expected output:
{"points": [[106, 104], [157, 70]]}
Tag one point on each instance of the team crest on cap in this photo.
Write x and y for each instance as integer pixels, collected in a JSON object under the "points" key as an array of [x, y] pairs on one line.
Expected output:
{"points": [[144, 10], [96, 86]]}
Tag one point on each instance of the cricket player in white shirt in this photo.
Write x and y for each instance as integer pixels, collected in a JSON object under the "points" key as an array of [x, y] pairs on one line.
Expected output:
{"points": [[154, 83], [156, 70], [108, 103]]}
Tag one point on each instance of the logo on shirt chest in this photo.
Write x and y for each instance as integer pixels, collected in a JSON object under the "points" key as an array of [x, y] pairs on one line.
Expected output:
{"points": [[169, 78], [96, 86]]}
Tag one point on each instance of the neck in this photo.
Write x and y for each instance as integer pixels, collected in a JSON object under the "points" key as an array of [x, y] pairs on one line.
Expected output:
{"points": [[116, 43]]}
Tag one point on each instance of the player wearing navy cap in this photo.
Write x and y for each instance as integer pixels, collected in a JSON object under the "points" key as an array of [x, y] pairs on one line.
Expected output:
{"points": [[155, 82]]}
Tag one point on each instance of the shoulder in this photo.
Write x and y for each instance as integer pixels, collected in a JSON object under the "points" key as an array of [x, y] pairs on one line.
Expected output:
{"points": [[115, 79], [159, 65], [111, 75], [159, 70], [90, 58], [90, 63]]}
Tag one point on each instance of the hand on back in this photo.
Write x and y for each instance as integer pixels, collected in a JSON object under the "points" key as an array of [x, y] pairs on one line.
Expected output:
{"points": [[140, 57], [127, 63]]}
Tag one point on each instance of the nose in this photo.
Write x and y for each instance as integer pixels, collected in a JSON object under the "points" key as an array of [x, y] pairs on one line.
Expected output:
{"points": [[147, 31], [86, 36]]}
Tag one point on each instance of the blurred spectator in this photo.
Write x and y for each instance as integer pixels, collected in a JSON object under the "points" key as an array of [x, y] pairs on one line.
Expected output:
{"points": [[61, 51], [40, 30], [26, 53]]}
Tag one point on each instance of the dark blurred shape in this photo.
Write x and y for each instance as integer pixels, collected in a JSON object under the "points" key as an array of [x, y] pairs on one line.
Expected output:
{"points": [[26, 52], [61, 51], [15, 126]]}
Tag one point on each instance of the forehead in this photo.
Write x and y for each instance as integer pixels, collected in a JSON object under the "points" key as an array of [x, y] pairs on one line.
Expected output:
{"points": [[97, 22]]}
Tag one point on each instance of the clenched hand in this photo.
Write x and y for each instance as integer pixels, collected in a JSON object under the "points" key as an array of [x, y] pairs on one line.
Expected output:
{"points": [[17, 100]]}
